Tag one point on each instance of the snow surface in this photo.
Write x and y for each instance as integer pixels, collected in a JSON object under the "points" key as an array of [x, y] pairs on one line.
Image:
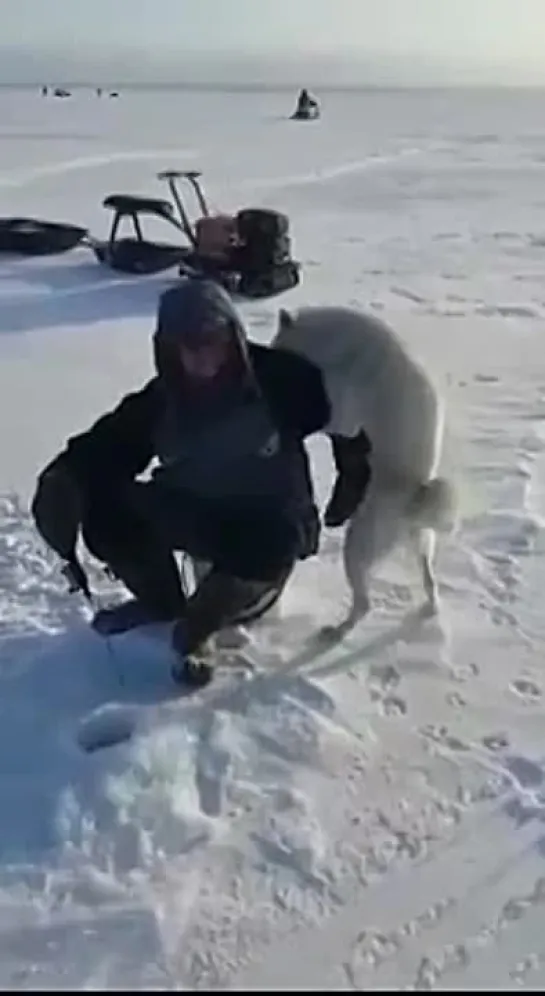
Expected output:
{"points": [[370, 818]]}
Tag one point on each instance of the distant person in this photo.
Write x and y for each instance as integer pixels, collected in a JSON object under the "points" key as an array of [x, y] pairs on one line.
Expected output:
{"points": [[307, 106]]}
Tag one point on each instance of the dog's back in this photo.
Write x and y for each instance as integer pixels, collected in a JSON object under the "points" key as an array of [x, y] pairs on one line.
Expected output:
{"points": [[373, 383]]}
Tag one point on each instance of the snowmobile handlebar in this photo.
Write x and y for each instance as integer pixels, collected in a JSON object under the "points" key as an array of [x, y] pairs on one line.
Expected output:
{"points": [[179, 174], [170, 176]]}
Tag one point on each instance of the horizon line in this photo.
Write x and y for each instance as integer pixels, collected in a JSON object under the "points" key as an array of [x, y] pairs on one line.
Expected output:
{"points": [[264, 86]]}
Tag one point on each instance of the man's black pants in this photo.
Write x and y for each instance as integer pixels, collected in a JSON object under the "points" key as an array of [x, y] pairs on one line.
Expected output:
{"points": [[136, 528]]}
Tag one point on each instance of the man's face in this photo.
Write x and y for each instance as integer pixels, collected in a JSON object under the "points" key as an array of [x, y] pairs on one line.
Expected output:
{"points": [[205, 362], [205, 358]]}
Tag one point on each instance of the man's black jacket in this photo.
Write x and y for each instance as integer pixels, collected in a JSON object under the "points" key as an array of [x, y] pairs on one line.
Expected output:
{"points": [[120, 445]]}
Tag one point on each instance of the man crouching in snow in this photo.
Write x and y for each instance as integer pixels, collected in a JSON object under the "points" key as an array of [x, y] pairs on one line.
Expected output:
{"points": [[226, 420], [386, 425]]}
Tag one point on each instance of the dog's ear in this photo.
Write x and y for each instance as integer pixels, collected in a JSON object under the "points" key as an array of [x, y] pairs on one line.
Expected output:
{"points": [[285, 319]]}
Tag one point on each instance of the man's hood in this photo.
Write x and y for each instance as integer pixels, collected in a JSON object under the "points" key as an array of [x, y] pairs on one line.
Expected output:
{"points": [[192, 312]]}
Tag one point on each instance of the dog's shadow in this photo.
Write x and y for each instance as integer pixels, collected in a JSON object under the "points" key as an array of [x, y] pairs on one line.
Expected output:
{"points": [[329, 638]]}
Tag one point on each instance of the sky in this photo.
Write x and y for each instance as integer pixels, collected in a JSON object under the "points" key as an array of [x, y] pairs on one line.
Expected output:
{"points": [[349, 39]]}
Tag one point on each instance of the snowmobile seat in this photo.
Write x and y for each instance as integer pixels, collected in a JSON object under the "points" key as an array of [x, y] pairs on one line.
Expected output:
{"points": [[129, 204], [33, 237], [135, 254]]}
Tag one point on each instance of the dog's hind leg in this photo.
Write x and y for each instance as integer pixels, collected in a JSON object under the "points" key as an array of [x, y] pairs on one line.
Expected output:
{"points": [[372, 533], [426, 547]]}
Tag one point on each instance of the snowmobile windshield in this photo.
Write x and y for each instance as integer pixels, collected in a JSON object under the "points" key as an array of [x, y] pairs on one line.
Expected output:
{"points": [[199, 334]]}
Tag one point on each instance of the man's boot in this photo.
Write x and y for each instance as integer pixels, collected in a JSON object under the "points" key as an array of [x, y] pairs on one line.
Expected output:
{"points": [[158, 595], [220, 600], [353, 476]]}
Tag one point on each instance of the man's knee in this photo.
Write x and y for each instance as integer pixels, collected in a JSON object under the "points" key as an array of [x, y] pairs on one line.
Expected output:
{"points": [[256, 547], [285, 541]]}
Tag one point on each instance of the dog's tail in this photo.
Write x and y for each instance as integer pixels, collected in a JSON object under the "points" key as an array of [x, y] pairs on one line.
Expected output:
{"points": [[435, 506]]}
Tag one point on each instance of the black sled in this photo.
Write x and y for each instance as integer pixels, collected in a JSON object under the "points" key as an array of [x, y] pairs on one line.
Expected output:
{"points": [[33, 237]]}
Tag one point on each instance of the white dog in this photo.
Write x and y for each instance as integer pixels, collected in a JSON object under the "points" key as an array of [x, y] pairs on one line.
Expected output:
{"points": [[374, 384]]}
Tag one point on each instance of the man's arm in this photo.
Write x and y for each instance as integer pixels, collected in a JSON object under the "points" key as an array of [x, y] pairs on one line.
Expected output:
{"points": [[117, 447], [294, 388]]}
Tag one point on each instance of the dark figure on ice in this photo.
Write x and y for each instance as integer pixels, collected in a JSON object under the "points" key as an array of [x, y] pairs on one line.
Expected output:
{"points": [[307, 106], [225, 420]]}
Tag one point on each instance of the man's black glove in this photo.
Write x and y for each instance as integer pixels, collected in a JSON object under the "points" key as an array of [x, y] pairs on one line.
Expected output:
{"points": [[56, 509], [77, 578]]}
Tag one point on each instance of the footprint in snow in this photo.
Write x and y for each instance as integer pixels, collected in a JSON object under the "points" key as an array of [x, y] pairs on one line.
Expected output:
{"points": [[384, 676], [495, 741], [393, 705], [526, 689], [456, 700], [441, 736], [465, 672]]}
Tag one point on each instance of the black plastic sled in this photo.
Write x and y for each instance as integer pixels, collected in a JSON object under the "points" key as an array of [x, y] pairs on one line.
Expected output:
{"points": [[249, 253], [33, 237]]}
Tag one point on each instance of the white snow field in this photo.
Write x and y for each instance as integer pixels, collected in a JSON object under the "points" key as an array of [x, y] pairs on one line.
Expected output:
{"points": [[373, 817]]}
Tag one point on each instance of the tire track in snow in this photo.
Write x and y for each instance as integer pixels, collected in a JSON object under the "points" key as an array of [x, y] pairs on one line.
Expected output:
{"points": [[334, 172], [18, 178], [26, 177]]}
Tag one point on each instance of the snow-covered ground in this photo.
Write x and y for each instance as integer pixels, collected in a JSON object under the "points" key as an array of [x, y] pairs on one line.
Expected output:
{"points": [[371, 818]]}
